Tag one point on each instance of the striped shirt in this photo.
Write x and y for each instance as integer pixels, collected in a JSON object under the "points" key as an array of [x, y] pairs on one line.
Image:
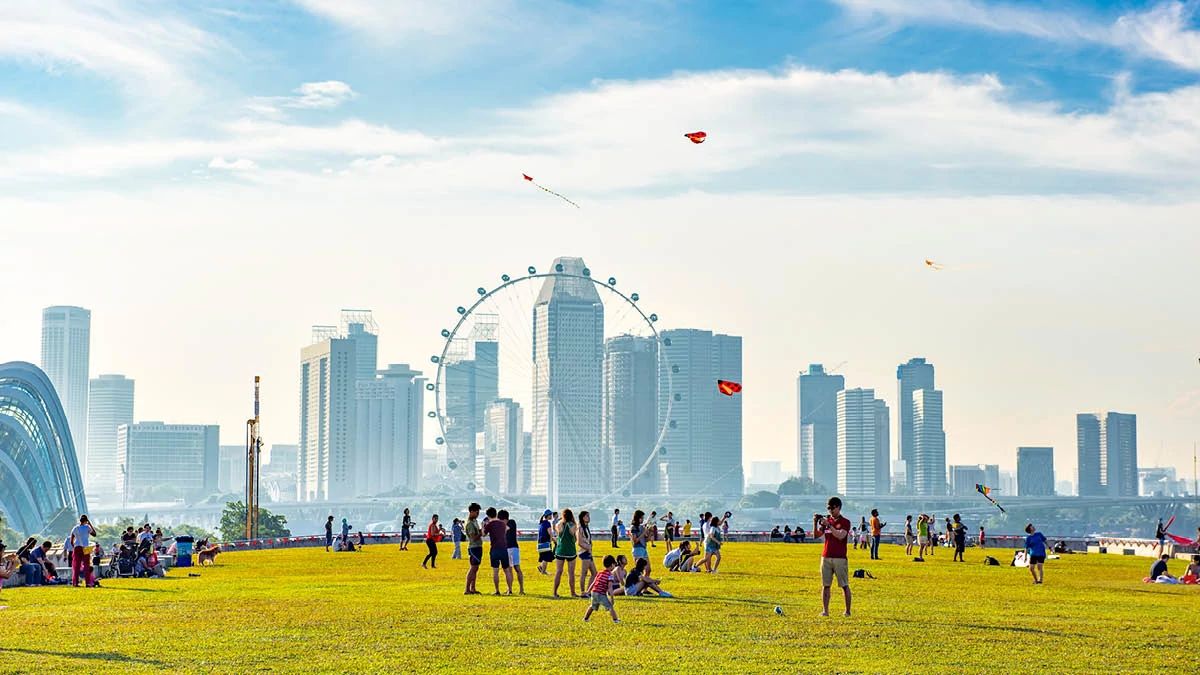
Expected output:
{"points": [[601, 584]]}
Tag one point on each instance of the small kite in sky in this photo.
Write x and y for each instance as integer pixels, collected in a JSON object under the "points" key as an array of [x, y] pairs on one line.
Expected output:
{"points": [[985, 491], [936, 267], [544, 189], [728, 388], [696, 137]]}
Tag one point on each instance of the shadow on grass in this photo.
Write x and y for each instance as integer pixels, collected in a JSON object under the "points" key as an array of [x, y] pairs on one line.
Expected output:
{"points": [[96, 656], [980, 626]]}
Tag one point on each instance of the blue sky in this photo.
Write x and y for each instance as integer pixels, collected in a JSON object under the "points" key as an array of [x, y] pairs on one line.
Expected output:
{"points": [[1048, 151]]}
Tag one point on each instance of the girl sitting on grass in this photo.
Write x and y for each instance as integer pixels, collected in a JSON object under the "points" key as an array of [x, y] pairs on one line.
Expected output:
{"points": [[638, 581]]}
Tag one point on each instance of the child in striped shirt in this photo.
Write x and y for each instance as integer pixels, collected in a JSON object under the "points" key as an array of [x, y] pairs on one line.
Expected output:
{"points": [[601, 590]]}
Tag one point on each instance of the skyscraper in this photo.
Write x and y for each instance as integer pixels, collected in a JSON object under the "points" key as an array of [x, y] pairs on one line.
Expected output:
{"points": [[110, 404], [629, 413], [928, 464], [883, 421], [817, 445], [861, 468], [910, 377], [388, 429], [568, 360], [162, 461], [1035, 472], [1107, 445], [702, 451], [328, 372], [231, 468], [66, 346], [359, 325], [472, 382], [503, 442]]}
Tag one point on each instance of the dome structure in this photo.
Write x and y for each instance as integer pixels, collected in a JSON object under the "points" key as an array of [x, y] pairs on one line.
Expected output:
{"points": [[40, 486]]}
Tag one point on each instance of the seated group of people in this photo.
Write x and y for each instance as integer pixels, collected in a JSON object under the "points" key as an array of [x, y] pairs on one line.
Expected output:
{"points": [[31, 561], [1159, 575], [788, 535], [636, 581], [682, 558], [136, 559]]}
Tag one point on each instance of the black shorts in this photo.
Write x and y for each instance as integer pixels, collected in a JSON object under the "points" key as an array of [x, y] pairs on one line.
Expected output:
{"points": [[545, 556], [585, 555], [1037, 559], [475, 556], [499, 558]]}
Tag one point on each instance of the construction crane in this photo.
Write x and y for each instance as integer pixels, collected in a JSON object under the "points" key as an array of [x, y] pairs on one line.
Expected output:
{"points": [[253, 451]]}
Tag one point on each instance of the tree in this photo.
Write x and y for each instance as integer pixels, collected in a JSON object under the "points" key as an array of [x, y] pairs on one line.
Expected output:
{"points": [[762, 499], [233, 523], [802, 486], [8, 535]]}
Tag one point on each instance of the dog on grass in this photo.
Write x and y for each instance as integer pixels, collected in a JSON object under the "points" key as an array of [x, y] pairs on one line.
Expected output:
{"points": [[208, 555]]}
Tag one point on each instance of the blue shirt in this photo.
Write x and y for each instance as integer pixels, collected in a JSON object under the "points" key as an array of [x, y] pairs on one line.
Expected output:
{"points": [[458, 532], [1036, 544], [544, 532]]}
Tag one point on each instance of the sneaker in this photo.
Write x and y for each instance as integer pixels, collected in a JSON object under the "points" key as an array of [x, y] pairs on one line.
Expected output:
{"points": [[665, 594]]}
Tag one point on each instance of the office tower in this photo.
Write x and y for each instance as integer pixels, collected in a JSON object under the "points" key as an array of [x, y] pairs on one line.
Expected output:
{"points": [[231, 469], [525, 478], [861, 434], [110, 404], [1107, 447], [359, 325], [702, 452], [66, 346], [471, 376], [503, 441], [817, 451], [165, 461], [913, 376], [328, 370], [928, 464], [389, 423], [568, 363], [964, 478], [1035, 472], [629, 414], [278, 476], [1008, 483]]}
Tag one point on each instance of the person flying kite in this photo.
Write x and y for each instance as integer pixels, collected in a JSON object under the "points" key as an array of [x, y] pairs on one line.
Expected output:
{"points": [[934, 266], [728, 388], [985, 491], [544, 189], [1182, 541], [696, 137]]}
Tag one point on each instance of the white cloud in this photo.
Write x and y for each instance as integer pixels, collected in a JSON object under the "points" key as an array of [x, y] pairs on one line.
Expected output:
{"points": [[242, 164], [323, 95], [1161, 32], [403, 19], [145, 51]]}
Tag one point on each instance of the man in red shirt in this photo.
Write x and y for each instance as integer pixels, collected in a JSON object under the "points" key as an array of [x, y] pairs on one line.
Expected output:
{"points": [[834, 528]]}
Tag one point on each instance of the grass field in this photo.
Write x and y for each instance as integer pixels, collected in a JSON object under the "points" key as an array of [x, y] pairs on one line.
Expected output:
{"points": [[304, 609]]}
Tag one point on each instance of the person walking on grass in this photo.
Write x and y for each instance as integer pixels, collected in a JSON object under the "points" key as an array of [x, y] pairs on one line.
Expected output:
{"points": [[1035, 548], [876, 532], [615, 519], [909, 536], [587, 566], [566, 534], [834, 528], [982, 538], [456, 533], [959, 533], [601, 591], [433, 534], [406, 524], [474, 547], [497, 532], [514, 553], [712, 547], [545, 542], [328, 533]]}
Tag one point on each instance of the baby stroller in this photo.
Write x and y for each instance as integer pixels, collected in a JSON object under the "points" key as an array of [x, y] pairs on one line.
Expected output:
{"points": [[121, 564]]}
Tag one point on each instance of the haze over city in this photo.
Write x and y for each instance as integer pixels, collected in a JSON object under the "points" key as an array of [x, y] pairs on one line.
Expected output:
{"points": [[210, 190]]}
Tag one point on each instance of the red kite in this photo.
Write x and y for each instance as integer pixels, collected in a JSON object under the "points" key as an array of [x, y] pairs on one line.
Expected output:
{"points": [[728, 388], [696, 137], [543, 189]]}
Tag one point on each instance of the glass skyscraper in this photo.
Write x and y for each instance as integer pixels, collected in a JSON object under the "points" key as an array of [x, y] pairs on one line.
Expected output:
{"points": [[630, 416], [911, 377], [110, 404], [66, 347], [817, 431]]}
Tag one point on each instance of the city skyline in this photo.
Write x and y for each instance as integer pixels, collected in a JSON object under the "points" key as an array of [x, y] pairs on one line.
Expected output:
{"points": [[838, 160]]}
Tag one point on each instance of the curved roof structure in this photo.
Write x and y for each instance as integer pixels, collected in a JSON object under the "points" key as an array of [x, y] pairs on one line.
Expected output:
{"points": [[40, 486]]}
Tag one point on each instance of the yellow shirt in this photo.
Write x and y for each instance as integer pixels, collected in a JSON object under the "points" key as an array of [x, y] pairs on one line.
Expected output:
{"points": [[687, 529]]}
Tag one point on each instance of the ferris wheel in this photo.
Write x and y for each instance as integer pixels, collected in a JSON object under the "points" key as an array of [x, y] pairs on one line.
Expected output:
{"points": [[553, 388]]}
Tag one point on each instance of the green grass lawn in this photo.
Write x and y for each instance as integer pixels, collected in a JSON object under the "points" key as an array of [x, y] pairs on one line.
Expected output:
{"points": [[304, 609]]}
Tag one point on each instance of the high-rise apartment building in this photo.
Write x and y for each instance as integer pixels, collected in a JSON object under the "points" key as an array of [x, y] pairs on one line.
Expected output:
{"points": [[1107, 447], [964, 478], [913, 376], [328, 370], [110, 404], [629, 426], [471, 380], [928, 464], [388, 429], [816, 434], [66, 348], [499, 469], [862, 459], [1035, 471]]}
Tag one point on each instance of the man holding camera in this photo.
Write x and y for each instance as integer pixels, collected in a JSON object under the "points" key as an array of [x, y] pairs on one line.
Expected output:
{"points": [[834, 528]]}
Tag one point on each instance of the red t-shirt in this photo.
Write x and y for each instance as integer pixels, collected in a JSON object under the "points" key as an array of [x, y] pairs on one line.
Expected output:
{"points": [[834, 547], [496, 530]]}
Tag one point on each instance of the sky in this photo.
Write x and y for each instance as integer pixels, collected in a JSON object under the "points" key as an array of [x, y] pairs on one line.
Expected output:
{"points": [[212, 178]]}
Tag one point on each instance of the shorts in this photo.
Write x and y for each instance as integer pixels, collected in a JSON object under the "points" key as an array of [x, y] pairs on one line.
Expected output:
{"points": [[831, 567], [475, 556], [909, 540], [499, 558], [601, 600], [564, 557], [711, 550], [514, 556], [545, 556], [585, 555], [639, 552], [1037, 559]]}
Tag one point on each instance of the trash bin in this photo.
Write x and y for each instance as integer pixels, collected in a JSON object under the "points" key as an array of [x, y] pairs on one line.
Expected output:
{"points": [[183, 550]]}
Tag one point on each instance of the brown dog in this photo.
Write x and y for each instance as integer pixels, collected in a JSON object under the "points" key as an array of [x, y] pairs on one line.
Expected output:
{"points": [[208, 555]]}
